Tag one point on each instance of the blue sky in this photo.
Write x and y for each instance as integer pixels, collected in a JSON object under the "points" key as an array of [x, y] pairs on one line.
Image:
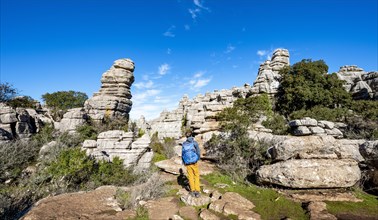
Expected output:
{"points": [[178, 46]]}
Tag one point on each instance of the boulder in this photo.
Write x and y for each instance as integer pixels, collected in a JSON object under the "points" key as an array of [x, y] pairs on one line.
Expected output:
{"points": [[233, 204], [268, 76], [71, 120], [314, 147], [117, 143], [311, 173], [163, 208]]}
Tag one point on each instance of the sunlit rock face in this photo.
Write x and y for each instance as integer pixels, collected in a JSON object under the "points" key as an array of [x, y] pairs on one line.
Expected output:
{"points": [[114, 97], [268, 77], [361, 84]]}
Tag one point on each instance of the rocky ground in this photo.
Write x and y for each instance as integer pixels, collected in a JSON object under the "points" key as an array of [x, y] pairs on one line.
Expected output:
{"points": [[215, 203]]}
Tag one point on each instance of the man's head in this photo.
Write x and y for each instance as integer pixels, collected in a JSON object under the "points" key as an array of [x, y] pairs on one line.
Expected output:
{"points": [[188, 134]]}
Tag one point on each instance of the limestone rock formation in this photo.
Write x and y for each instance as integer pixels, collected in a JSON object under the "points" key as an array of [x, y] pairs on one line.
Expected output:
{"points": [[20, 122], [71, 120], [117, 143], [96, 204], [114, 98], [310, 126], [361, 84], [268, 77], [313, 162], [311, 173]]}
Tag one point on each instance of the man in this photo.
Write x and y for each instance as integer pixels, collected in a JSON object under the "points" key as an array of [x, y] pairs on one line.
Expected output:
{"points": [[190, 157]]}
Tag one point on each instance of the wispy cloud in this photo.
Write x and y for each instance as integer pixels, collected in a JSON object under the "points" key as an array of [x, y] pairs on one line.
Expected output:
{"points": [[194, 12], [144, 85], [198, 8], [169, 51], [199, 4], [164, 69], [198, 81], [142, 96], [187, 27], [229, 49], [169, 32], [265, 54]]}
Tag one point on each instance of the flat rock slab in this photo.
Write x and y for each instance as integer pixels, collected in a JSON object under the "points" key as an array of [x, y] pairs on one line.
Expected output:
{"points": [[174, 165], [311, 173], [324, 196], [163, 208], [208, 215], [188, 212], [96, 204], [318, 210], [193, 201], [234, 204]]}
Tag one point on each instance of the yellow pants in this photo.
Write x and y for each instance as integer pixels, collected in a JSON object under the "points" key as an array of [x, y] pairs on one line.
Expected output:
{"points": [[194, 177]]}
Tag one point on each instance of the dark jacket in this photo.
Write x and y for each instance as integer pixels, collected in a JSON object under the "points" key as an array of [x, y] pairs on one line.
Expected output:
{"points": [[191, 139]]}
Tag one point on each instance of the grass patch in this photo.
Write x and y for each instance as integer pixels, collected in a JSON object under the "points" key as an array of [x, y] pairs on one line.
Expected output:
{"points": [[269, 204], [158, 157], [366, 208]]}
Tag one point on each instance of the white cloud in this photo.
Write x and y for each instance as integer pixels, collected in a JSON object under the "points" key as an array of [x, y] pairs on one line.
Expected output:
{"points": [[194, 12], [262, 52], [198, 81], [169, 51], [164, 68], [199, 4], [152, 109], [187, 27], [201, 83], [229, 49], [145, 85], [199, 74], [141, 97], [267, 54], [169, 32]]}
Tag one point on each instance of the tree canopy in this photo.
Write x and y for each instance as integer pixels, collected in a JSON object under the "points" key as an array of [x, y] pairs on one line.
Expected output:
{"points": [[7, 92], [306, 84], [64, 100]]}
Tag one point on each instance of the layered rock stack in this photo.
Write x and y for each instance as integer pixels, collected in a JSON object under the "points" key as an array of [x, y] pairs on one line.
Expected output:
{"points": [[312, 162], [362, 85], [114, 98], [19, 123], [71, 120], [268, 77], [117, 143], [199, 113], [310, 126]]}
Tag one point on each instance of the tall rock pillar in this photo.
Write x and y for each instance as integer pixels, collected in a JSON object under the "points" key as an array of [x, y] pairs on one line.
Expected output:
{"points": [[114, 98]]}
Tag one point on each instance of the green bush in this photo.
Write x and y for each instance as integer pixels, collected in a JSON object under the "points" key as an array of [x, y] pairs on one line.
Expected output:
{"points": [[22, 102], [64, 100], [245, 112], [73, 166], [306, 84], [237, 154], [322, 113], [165, 149], [277, 123], [112, 173], [87, 132], [141, 132]]}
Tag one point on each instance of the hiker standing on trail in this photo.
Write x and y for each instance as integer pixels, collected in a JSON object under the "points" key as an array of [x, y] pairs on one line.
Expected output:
{"points": [[190, 157]]}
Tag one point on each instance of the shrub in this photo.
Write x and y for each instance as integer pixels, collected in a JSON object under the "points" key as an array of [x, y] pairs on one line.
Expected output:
{"points": [[141, 132], [7, 92], [165, 149], [277, 123], [245, 112], [22, 101], [306, 84], [112, 173], [72, 166], [64, 100], [322, 113], [237, 154], [87, 132], [153, 188]]}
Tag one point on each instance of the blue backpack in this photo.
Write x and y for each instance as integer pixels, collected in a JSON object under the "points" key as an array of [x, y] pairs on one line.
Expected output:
{"points": [[189, 154]]}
